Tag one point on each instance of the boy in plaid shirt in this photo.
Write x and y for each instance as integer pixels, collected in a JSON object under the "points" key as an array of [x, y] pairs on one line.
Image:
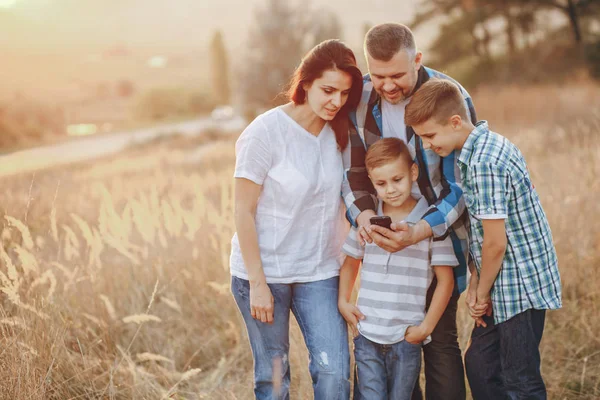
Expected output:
{"points": [[517, 276]]}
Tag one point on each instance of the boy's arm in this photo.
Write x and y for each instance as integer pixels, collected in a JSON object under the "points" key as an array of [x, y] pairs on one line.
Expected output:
{"points": [[348, 273], [349, 311], [441, 297], [492, 255], [450, 204], [354, 254]]}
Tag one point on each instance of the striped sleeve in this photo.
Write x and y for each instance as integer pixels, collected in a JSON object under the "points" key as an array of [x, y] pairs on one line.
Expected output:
{"points": [[442, 253], [352, 247]]}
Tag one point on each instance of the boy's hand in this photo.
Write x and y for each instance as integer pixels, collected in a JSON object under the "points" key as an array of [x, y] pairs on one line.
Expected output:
{"points": [[363, 221], [351, 314], [476, 311], [416, 334]]}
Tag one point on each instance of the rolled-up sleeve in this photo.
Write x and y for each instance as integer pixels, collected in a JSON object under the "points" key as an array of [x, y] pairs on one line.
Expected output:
{"points": [[489, 199]]}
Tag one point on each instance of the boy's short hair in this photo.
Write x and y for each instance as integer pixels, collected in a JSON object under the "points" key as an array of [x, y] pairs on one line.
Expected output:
{"points": [[385, 151], [437, 98], [383, 41]]}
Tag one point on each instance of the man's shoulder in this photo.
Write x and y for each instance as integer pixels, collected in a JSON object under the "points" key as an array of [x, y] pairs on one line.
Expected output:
{"points": [[493, 148], [432, 73]]}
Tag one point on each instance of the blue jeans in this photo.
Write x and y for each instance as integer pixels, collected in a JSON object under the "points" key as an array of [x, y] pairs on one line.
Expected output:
{"points": [[444, 372], [385, 371], [314, 304], [503, 361]]}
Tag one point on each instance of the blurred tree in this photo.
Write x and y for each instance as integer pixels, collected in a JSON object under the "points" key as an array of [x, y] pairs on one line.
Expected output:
{"points": [[469, 33], [284, 31], [219, 70], [326, 25], [276, 44]]}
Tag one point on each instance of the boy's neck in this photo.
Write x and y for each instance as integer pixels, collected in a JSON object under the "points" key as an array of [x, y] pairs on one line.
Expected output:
{"points": [[401, 211], [464, 133]]}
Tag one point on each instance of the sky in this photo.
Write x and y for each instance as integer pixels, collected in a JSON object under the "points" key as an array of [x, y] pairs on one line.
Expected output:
{"points": [[177, 24]]}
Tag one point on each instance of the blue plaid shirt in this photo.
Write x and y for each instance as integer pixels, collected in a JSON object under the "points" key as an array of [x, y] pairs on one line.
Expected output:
{"points": [[438, 177], [497, 185]]}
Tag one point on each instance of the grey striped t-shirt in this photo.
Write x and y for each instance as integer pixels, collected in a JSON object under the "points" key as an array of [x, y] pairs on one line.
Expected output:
{"points": [[393, 286]]}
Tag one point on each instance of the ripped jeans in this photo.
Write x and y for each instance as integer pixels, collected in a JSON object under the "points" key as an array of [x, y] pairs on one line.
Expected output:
{"points": [[314, 304]]}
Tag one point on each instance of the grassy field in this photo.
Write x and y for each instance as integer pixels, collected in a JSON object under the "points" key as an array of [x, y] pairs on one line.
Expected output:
{"points": [[114, 273]]}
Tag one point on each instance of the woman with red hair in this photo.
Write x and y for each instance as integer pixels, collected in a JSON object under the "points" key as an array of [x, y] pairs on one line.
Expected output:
{"points": [[290, 225]]}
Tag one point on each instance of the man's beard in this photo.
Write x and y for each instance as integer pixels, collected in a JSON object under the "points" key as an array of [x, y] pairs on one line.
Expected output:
{"points": [[402, 97]]}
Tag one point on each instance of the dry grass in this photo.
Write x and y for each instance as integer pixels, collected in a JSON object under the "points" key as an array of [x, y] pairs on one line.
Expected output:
{"points": [[115, 277]]}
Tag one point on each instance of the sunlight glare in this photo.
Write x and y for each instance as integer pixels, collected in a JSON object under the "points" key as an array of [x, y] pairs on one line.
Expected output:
{"points": [[7, 3]]}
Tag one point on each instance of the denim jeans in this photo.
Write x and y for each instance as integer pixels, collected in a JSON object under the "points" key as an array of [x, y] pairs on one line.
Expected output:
{"points": [[385, 371], [503, 361], [314, 304], [444, 372]]}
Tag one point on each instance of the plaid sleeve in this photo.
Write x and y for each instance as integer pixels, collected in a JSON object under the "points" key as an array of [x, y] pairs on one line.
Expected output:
{"points": [[489, 199], [442, 253], [357, 190], [450, 204], [352, 246]]}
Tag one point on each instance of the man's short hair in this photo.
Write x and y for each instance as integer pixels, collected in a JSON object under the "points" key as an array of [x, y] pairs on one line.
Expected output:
{"points": [[437, 98], [385, 151], [383, 41]]}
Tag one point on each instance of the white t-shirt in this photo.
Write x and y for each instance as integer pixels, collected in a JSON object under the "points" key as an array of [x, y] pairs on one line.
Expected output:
{"points": [[393, 119], [300, 214], [394, 126]]}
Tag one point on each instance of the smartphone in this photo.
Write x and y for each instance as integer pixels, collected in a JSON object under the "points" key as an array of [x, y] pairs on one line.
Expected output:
{"points": [[383, 221]]}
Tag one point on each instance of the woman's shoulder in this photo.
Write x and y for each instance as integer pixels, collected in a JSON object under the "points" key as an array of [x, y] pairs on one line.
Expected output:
{"points": [[264, 123]]}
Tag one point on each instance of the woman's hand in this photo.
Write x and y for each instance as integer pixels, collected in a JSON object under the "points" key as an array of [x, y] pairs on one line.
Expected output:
{"points": [[261, 301]]}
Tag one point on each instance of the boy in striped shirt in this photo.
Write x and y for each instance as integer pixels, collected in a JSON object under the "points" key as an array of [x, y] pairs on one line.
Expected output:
{"points": [[390, 322], [517, 276]]}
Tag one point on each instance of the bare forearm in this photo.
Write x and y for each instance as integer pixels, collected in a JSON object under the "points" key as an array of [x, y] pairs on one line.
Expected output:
{"points": [[246, 231], [348, 273], [491, 261], [439, 301]]}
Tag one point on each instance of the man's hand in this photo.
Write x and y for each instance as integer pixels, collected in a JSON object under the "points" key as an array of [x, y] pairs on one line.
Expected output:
{"points": [[363, 222], [351, 314], [400, 236], [416, 334]]}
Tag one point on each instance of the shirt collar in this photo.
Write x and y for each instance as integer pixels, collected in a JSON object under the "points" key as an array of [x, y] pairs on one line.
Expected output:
{"points": [[481, 128], [416, 213]]}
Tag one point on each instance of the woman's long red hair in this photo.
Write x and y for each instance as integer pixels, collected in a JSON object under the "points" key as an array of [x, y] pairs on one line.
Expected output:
{"points": [[329, 55]]}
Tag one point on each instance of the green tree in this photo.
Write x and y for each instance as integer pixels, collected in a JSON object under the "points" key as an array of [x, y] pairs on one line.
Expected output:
{"points": [[219, 70]]}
